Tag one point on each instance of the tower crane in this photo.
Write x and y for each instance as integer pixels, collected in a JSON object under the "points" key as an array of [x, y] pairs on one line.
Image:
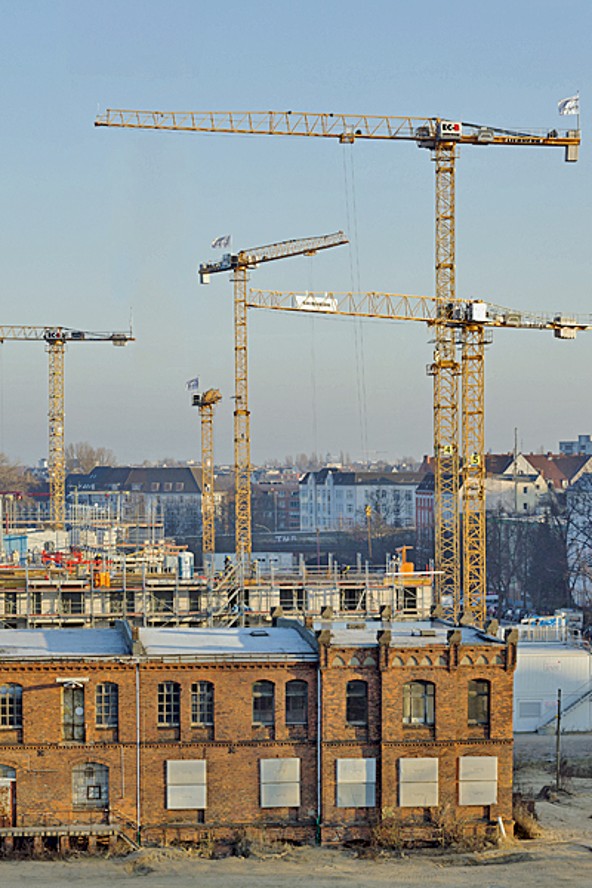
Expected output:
{"points": [[206, 402], [55, 339], [239, 265], [442, 137], [456, 315]]}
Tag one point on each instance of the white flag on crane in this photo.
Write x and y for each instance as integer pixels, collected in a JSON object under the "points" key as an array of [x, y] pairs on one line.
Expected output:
{"points": [[221, 243], [570, 105]]}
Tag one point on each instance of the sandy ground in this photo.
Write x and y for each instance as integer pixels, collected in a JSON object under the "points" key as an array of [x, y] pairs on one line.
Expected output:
{"points": [[562, 856]]}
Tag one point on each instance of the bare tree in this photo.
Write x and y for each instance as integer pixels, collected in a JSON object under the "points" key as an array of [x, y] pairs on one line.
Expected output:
{"points": [[13, 477], [82, 457]]}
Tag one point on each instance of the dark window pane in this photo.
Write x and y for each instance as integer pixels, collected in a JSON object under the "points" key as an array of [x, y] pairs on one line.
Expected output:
{"points": [[357, 703], [297, 703]]}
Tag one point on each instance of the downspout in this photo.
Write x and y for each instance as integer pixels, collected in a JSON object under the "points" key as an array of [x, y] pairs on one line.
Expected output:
{"points": [[138, 760], [319, 754]]}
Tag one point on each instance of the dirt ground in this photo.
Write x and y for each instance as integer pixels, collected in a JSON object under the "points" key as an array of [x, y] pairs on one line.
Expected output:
{"points": [[561, 856]]}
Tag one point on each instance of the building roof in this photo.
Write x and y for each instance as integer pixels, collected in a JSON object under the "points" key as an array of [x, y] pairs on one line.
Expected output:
{"points": [[417, 633], [62, 643], [498, 463], [250, 643], [137, 478], [368, 479]]}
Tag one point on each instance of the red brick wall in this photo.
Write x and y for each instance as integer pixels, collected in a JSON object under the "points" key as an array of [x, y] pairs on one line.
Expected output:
{"points": [[44, 761]]}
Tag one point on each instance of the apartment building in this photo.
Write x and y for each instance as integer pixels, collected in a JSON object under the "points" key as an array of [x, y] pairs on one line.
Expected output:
{"points": [[331, 499]]}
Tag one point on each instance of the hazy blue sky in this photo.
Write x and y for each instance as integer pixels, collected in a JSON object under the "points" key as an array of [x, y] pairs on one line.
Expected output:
{"points": [[97, 221]]}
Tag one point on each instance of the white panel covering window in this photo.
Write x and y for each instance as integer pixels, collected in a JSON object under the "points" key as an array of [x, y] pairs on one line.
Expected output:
{"points": [[280, 782], [477, 780], [186, 784], [418, 782], [356, 783]]}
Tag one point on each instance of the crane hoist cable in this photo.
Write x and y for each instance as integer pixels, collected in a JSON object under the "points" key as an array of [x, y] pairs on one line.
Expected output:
{"points": [[354, 268]]}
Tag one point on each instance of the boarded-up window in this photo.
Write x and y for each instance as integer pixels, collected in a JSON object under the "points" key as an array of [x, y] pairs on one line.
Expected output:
{"points": [[477, 780], [186, 784], [356, 783], [418, 782], [280, 782]]}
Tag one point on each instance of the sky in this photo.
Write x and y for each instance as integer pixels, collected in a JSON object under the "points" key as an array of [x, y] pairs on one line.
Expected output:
{"points": [[101, 225]]}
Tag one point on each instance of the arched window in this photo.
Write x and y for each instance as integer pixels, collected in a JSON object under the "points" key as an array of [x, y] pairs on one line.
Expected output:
{"points": [[7, 773], [418, 703], [479, 699], [169, 704], [107, 705], [11, 706], [202, 703], [263, 703], [356, 703], [297, 703], [90, 785]]}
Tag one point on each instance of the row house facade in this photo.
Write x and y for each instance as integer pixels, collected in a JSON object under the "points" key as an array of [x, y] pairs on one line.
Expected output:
{"points": [[333, 500], [296, 731], [516, 485]]}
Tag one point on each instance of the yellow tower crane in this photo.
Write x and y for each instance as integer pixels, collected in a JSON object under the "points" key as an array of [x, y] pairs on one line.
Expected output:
{"points": [[457, 315], [56, 339], [239, 265], [206, 402], [441, 137]]}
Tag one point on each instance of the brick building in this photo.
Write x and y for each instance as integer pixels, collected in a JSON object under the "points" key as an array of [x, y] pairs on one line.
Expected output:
{"points": [[175, 733]]}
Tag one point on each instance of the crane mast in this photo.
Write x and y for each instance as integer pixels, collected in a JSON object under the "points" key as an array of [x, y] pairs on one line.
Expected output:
{"points": [[442, 137], [205, 403], [472, 318], [55, 339], [239, 265]]}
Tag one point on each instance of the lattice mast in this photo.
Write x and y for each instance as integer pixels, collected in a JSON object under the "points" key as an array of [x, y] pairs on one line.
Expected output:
{"points": [[206, 403], [56, 339], [239, 265], [472, 320], [441, 136]]}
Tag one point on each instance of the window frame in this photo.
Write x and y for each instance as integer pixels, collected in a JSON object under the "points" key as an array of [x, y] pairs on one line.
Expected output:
{"points": [[202, 704], [478, 695], [352, 702], [168, 704], [107, 705], [292, 688], [90, 786], [419, 703], [263, 690], [11, 706]]}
